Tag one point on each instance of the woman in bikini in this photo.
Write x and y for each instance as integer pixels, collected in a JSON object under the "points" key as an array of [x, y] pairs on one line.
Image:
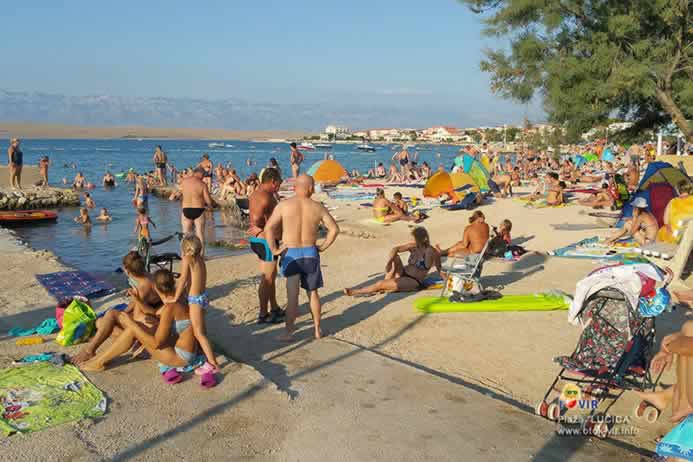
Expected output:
{"points": [[642, 227], [172, 343], [141, 198], [385, 211], [405, 278]]}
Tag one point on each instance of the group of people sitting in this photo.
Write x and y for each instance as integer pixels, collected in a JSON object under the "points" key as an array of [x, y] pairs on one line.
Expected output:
{"points": [[165, 317], [424, 257]]}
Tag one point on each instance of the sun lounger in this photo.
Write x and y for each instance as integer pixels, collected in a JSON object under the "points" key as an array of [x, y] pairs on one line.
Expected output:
{"points": [[672, 255]]}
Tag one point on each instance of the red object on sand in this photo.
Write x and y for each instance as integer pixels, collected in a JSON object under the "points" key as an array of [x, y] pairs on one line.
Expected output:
{"points": [[21, 216]]}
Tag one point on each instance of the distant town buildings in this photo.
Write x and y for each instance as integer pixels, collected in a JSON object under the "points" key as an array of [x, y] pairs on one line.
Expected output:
{"points": [[338, 131]]}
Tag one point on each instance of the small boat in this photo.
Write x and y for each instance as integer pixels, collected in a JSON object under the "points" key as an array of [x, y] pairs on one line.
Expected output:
{"points": [[323, 146], [215, 145], [26, 216], [306, 146], [229, 145], [365, 148]]}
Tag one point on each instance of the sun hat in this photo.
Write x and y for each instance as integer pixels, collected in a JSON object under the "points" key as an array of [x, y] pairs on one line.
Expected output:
{"points": [[639, 202]]}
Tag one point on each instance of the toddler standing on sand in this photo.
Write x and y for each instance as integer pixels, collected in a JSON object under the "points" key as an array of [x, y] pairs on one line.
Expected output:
{"points": [[193, 277]]}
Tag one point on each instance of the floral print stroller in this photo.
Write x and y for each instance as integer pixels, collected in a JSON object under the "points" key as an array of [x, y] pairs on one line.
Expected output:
{"points": [[612, 356]]}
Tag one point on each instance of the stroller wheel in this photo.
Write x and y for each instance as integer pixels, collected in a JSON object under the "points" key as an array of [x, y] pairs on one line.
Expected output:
{"points": [[597, 426], [646, 411], [542, 409], [553, 412], [600, 430]]}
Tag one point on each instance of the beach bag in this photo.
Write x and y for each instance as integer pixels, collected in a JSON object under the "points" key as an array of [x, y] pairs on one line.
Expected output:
{"points": [[497, 247], [62, 306], [79, 323]]}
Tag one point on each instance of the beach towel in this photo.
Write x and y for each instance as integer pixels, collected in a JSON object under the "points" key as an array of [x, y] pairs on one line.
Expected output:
{"points": [[67, 284], [532, 302], [591, 248], [678, 443], [41, 395], [47, 327]]}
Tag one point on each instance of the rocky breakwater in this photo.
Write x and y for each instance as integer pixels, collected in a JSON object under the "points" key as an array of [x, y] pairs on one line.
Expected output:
{"points": [[37, 198]]}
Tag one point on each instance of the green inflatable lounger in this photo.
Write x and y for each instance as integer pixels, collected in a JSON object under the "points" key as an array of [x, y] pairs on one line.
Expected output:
{"points": [[549, 301]]}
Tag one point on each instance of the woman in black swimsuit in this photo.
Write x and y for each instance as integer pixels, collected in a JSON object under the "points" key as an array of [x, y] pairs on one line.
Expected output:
{"points": [[405, 278]]}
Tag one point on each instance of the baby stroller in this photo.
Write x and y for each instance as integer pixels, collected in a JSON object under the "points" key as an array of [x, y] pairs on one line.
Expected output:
{"points": [[157, 261], [612, 356]]}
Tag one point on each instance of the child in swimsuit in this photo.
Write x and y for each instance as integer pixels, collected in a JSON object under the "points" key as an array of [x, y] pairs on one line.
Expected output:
{"points": [[142, 223], [193, 278], [88, 201]]}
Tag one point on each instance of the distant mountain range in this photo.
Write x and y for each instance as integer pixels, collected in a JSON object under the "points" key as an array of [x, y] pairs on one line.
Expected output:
{"points": [[231, 113]]}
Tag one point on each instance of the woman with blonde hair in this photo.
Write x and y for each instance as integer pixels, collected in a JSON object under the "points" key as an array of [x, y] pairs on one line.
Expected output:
{"points": [[15, 162], [405, 278]]}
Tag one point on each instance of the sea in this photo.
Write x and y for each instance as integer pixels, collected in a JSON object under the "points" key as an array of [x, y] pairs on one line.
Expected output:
{"points": [[100, 249]]}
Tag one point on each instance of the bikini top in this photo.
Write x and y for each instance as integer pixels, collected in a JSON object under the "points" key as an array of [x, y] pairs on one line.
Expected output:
{"points": [[418, 259]]}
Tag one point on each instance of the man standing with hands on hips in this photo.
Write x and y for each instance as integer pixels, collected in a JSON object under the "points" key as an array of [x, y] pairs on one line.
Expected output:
{"points": [[298, 220]]}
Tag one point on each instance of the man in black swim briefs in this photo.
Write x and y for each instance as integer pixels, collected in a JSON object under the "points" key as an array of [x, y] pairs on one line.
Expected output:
{"points": [[261, 204], [195, 200]]}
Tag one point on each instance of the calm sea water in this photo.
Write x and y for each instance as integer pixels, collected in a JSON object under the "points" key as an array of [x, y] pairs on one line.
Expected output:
{"points": [[102, 248]]}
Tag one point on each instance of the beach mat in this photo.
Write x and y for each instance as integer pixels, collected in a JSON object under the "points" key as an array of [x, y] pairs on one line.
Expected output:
{"points": [[591, 248], [66, 284], [577, 227], [533, 302], [42, 395]]}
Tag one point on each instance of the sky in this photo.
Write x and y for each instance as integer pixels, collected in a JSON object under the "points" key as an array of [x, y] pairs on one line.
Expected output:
{"points": [[406, 54]]}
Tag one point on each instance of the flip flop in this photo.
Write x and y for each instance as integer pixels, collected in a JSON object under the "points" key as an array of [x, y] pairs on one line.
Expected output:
{"points": [[172, 376], [206, 367], [207, 380]]}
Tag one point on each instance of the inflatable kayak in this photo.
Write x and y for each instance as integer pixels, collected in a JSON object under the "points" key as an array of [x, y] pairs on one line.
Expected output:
{"points": [[535, 302], [26, 216]]}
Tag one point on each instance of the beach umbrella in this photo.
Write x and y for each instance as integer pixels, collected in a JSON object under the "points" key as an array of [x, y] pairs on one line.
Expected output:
{"points": [[477, 171], [608, 156], [439, 183], [461, 181], [579, 160], [590, 157], [328, 172]]}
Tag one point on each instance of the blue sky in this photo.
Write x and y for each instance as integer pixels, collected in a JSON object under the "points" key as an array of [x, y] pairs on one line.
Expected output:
{"points": [[407, 54]]}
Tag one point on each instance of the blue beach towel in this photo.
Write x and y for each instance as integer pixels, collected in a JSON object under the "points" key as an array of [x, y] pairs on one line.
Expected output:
{"points": [[678, 443], [67, 284]]}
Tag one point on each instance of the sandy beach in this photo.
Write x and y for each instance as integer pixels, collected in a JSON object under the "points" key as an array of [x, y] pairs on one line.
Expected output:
{"points": [[385, 374], [57, 131]]}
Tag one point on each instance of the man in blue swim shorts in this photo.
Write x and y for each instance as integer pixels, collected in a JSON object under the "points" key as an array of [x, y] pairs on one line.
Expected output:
{"points": [[261, 204], [298, 220]]}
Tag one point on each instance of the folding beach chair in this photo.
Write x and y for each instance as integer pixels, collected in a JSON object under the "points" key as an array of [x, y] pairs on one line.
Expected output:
{"points": [[674, 256], [465, 269]]}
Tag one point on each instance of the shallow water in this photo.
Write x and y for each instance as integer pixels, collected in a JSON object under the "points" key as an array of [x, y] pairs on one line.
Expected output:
{"points": [[101, 248]]}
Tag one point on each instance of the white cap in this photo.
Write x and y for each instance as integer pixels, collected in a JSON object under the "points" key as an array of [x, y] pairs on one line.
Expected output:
{"points": [[639, 202]]}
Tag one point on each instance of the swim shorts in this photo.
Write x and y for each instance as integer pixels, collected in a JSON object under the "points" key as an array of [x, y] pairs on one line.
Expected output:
{"points": [[305, 262], [261, 248], [493, 186]]}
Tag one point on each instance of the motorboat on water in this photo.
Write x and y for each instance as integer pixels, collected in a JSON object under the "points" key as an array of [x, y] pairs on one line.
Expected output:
{"points": [[323, 146], [215, 145], [306, 146], [228, 146], [365, 148]]}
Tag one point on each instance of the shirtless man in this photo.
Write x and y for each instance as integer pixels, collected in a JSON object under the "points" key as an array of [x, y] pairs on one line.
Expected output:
{"points": [[160, 162], [299, 219], [261, 204], [295, 160], [43, 170], [475, 236], [207, 168], [195, 199]]}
